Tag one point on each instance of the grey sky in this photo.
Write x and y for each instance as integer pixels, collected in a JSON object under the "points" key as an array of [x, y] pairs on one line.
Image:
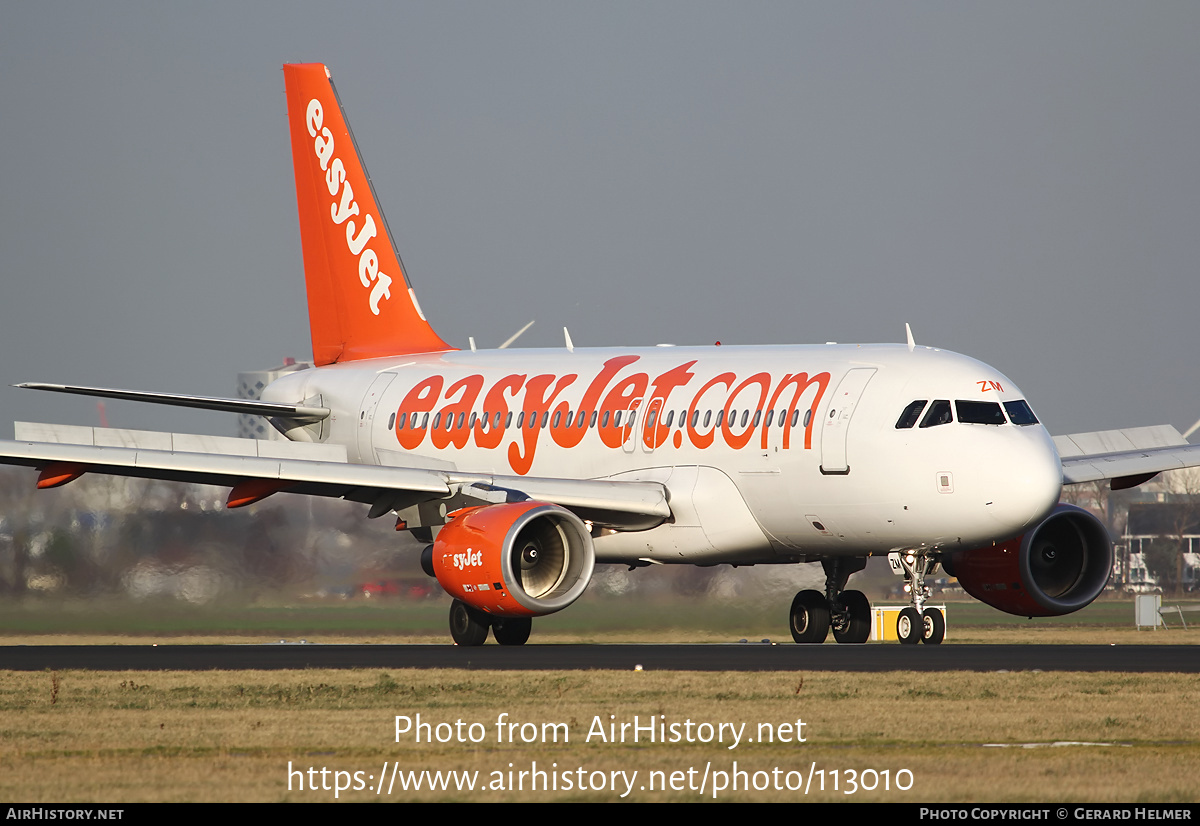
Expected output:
{"points": [[1019, 181]]}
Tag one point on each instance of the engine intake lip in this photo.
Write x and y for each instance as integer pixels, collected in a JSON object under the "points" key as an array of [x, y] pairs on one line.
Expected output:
{"points": [[1066, 561], [570, 556]]}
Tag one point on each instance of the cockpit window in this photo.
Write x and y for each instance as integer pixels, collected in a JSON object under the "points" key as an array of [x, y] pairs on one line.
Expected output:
{"points": [[979, 412], [1019, 412], [939, 413], [910, 415]]}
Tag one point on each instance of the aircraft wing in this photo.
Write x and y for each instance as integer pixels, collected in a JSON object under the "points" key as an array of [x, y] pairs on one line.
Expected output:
{"points": [[254, 469], [1128, 457]]}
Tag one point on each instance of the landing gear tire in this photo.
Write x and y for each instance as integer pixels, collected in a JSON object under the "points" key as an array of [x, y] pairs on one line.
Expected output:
{"points": [[909, 626], [810, 617], [468, 626], [856, 624], [512, 630], [933, 627]]}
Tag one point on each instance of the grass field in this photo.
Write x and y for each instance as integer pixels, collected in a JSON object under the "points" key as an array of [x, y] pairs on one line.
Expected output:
{"points": [[224, 736], [230, 736], [590, 620]]}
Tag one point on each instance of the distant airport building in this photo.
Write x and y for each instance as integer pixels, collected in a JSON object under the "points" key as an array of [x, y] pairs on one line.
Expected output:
{"points": [[250, 386], [1177, 526]]}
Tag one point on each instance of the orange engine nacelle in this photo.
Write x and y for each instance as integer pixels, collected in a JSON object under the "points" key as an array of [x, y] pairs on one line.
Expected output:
{"points": [[1058, 567], [522, 559]]}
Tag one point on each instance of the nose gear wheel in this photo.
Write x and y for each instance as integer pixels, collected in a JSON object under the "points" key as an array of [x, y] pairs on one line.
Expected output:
{"points": [[918, 623]]}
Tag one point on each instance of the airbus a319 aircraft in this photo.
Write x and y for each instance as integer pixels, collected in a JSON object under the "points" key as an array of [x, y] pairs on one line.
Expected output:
{"points": [[522, 469]]}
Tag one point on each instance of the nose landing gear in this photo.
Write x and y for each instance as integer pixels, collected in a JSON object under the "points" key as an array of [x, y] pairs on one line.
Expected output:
{"points": [[917, 623]]}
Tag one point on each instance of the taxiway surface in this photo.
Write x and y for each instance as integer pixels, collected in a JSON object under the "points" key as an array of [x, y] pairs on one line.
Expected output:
{"points": [[706, 657]]}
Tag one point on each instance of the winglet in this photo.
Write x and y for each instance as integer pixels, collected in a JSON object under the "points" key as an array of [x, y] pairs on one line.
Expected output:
{"points": [[508, 341], [912, 345], [360, 304]]}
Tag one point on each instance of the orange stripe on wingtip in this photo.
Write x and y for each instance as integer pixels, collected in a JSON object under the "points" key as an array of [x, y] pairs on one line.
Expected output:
{"points": [[254, 490], [60, 473]]}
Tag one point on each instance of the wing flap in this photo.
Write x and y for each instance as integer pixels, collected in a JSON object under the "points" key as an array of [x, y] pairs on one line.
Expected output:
{"points": [[627, 506], [176, 442], [320, 478], [258, 468]]}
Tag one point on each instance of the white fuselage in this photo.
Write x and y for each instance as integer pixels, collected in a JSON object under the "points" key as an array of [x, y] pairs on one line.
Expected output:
{"points": [[769, 454]]}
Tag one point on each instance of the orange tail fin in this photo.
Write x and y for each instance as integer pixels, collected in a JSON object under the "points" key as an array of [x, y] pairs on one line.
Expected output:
{"points": [[360, 304]]}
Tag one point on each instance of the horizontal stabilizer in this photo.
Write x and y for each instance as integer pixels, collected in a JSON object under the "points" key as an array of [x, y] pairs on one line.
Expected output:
{"points": [[297, 413]]}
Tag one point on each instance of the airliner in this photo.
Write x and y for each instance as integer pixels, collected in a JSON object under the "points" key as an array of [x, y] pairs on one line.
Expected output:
{"points": [[520, 470]]}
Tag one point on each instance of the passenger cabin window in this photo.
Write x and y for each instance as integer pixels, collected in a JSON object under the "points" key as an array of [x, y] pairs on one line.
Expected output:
{"points": [[1019, 412], [979, 412], [910, 415], [939, 413]]}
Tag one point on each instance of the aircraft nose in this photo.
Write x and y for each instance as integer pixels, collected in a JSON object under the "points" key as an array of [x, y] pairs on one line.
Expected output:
{"points": [[1028, 481]]}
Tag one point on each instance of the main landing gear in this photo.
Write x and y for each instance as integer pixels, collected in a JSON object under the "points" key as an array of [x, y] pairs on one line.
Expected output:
{"points": [[917, 623], [470, 626], [848, 613]]}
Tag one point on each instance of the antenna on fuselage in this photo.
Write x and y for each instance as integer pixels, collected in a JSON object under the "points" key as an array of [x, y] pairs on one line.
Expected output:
{"points": [[912, 345]]}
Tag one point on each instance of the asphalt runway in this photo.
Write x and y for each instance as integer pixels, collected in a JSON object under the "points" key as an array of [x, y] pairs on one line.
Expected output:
{"points": [[707, 657]]}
